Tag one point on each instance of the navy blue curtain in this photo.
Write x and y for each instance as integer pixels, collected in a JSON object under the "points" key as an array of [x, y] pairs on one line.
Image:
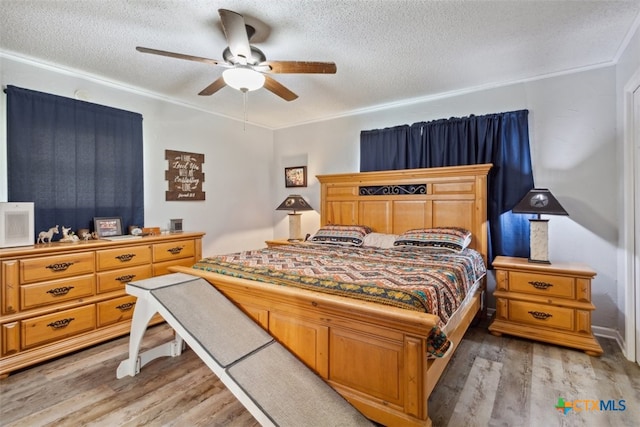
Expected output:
{"points": [[74, 159], [386, 149], [501, 139]]}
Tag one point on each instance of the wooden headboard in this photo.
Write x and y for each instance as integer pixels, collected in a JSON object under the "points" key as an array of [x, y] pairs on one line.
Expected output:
{"points": [[399, 200]]}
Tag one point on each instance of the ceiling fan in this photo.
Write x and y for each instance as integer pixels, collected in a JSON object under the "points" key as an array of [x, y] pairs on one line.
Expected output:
{"points": [[246, 66]]}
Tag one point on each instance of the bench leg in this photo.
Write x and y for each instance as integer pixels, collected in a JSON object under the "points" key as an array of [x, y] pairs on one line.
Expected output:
{"points": [[142, 314]]}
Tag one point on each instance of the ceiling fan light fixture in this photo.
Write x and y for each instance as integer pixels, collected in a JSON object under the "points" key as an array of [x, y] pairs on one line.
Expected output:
{"points": [[243, 79]]}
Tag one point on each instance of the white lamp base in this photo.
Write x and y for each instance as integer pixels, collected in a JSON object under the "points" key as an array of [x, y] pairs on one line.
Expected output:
{"points": [[295, 227], [539, 240]]}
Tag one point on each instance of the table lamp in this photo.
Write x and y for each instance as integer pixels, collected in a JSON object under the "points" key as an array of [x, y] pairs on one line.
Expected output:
{"points": [[539, 201], [294, 203]]}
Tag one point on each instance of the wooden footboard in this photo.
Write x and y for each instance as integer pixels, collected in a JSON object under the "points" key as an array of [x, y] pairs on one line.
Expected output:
{"points": [[375, 356]]}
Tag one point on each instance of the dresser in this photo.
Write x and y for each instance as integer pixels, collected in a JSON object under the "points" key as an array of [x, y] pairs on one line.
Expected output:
{"points": [[60, 297], [545, 302]]}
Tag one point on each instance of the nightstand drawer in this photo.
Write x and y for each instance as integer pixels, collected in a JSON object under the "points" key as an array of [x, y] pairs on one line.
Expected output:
{"points": [[542, 315], [542, 284]]}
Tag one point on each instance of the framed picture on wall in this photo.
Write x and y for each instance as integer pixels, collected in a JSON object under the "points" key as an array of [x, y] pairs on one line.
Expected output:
{"points": [[295, 176], [108, 226]]}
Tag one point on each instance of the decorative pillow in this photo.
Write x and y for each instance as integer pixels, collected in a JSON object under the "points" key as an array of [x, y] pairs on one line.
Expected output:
{"points": [[379, 240], [454, 239], [348, 235]]}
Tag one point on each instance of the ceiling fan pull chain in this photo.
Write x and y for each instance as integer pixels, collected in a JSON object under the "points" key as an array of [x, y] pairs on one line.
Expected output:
{"points": [[245, 94]]}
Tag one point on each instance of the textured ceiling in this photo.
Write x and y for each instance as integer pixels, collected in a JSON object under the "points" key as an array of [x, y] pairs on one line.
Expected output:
{"points": [[386, 51]]}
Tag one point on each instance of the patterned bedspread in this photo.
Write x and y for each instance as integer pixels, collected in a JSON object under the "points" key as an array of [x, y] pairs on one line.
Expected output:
{"points": [[431, 281]]}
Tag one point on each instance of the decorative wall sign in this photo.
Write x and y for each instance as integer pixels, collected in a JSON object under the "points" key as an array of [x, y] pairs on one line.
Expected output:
{"points": [[185, 176]]}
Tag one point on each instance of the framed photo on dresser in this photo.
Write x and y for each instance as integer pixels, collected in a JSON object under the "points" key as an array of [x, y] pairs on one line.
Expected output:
{"points": [[108, 226]]}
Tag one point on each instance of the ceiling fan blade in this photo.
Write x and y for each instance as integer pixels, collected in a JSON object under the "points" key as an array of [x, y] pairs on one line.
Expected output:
{"points": [[213, 87], [179, 56], [284, 67], [277, 88], [236, 33]]}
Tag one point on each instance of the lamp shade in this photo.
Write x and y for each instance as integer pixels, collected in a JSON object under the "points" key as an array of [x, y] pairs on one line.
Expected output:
{"points": [[294, 203], [539, 201], [243, 78]]}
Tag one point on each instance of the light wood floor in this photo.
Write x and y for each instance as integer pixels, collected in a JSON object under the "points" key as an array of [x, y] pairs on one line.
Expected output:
{"points": [[491, 381]]}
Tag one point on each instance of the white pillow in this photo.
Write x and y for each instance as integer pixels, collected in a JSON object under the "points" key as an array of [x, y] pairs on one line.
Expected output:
{"points": [[379, 240]]}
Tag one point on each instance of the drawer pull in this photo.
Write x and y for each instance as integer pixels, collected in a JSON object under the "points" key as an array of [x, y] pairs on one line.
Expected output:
{"points": [[540, 315], [56, 292], [59, 324], [125, 257], [541, 285], [126, 279], [60, 266], [176, 250], [126, 307]]}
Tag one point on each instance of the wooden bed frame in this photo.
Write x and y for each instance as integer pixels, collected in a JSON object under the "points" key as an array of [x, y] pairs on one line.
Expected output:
{"points": [[373, 355]]}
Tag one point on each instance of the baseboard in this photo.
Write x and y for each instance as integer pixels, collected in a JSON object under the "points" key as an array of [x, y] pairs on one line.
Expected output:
{"points": [[613, 334]]}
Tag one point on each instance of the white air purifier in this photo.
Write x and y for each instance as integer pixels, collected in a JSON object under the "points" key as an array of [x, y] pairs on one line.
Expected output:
{"points": [[16, 224]]}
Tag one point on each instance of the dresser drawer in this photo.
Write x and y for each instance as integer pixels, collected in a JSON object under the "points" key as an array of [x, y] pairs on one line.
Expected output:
{"points": [[163, 267], [115, 310], [110, 259], [173, 250], [57, 326], [542, 315], [109, 281], [53, 267], [55, 291], [542, 284]]}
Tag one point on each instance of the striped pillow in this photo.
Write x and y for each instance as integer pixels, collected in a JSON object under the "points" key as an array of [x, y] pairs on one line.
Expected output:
{"points": [[453, 239], [347, 235]]}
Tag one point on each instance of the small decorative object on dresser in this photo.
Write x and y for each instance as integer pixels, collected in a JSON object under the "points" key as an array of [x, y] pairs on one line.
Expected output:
{"points": [[107, 226], [175, 225], [46, 236], [550, 303]]}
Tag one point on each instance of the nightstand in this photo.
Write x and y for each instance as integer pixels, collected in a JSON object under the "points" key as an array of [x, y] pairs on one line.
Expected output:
{"points": [[545, 302], [279, 242]]}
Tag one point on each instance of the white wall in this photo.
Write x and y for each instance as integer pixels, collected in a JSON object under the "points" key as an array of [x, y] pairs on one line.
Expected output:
{"points": [[572, 130], [237, 212]]}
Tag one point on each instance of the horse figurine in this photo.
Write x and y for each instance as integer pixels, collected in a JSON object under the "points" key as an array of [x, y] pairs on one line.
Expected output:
{"points": [[47, 235]]}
